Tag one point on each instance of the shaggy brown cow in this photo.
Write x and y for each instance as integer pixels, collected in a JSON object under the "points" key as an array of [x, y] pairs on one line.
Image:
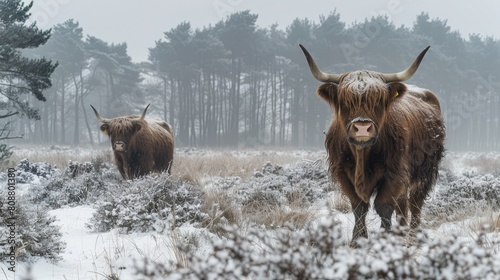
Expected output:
{"points": [[140, 145], [386, 138]]}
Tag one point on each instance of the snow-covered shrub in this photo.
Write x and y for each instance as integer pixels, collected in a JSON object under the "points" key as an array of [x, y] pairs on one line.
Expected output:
{"points": [[320, 252], [456, 199], [274, 195], [148, 203], [36, 233], [446, 176], [75, 168], [62, 190], [28, 171], [480, 187], [454, 258], [99, 165], [80, 183], [5, 153], [274, 183]]}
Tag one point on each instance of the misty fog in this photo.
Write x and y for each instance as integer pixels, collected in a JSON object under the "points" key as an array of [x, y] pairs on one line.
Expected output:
{"points": [[238, 84]]}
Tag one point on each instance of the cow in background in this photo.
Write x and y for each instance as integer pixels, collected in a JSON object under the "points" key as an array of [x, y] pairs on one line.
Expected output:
{"points": [[140, 145]]}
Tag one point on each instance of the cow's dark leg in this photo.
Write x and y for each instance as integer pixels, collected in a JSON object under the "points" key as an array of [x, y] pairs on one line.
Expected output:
{"points": [[385, 212], [384, 206], [416, 202], [402, 211], [359, 208]]}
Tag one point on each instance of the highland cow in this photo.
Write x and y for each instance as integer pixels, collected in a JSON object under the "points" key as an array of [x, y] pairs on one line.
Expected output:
{"points": [[140, 145], [385, 140]]}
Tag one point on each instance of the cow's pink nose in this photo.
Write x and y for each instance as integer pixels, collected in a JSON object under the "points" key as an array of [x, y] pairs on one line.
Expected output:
{"points": [[119, 146], [362, 129]]}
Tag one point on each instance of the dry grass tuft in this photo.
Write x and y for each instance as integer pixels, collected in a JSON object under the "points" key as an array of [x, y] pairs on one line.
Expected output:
{"points": [[489, 222], [222, 164], [221, 210], [179, 245], [280, 216], [485, 163], [339, 202], [189, 166], [266, 210], [58, 156]]}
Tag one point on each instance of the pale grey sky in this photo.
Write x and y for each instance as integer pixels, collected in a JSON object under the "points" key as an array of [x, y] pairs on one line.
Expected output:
{"points": [[141, 23]]}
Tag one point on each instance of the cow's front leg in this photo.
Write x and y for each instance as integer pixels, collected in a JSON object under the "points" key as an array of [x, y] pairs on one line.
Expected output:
{"points": [[384, 210], [359, 208], [387, 197]]}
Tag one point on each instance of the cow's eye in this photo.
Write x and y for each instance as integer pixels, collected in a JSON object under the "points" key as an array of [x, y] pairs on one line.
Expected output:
{"points": [[105, 129]]}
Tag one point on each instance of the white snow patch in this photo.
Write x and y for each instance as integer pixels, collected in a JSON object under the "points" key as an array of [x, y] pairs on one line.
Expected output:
{"points": [[91, 255]]}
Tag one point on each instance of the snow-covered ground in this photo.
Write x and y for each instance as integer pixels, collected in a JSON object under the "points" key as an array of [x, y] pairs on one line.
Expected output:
{"points": [[113, 228]]}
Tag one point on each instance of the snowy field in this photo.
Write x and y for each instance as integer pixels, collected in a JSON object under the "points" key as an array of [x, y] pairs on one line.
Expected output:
{"points": [[238, 215]]}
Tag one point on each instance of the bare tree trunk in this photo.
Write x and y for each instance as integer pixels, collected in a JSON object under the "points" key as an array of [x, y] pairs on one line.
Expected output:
{"points": [[282, 106], [63, 116], [54, 116], [164, 79], [295, 113], [76, 135], [44, 122], [273, 104], [82, 99], [89, 130], [263, 123], [172, 103]]}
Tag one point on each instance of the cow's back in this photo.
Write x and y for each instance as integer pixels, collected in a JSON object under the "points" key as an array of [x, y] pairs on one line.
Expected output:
{"points": [[161, 134]]}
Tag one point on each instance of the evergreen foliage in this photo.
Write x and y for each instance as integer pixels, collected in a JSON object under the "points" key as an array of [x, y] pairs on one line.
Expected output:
{"points": [[21, 77]]}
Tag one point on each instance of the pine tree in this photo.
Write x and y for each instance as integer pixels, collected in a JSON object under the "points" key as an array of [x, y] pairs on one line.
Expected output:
{"points": [[20, 77]]}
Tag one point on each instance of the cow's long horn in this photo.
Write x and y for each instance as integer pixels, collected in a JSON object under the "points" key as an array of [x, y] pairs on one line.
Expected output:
{"points": [[317, 73], [144, 113], [101, 119], [408, 72]]}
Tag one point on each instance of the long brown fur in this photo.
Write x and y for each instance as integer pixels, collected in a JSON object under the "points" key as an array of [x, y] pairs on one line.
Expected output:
{"points": [[402, 166], [149, 145]]}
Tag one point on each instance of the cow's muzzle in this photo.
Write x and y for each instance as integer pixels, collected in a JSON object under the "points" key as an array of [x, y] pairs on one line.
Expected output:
{"points": [[119, 146], [362, 132]]}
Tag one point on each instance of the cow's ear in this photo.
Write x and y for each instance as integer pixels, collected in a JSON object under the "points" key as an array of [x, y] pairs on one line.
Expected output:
{"points": [[396, 90], [105, 128], [329, 93], [137, 127]]}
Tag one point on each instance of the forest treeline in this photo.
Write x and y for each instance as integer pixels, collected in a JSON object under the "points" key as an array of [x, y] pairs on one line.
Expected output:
{"points": [[237, 84]]}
